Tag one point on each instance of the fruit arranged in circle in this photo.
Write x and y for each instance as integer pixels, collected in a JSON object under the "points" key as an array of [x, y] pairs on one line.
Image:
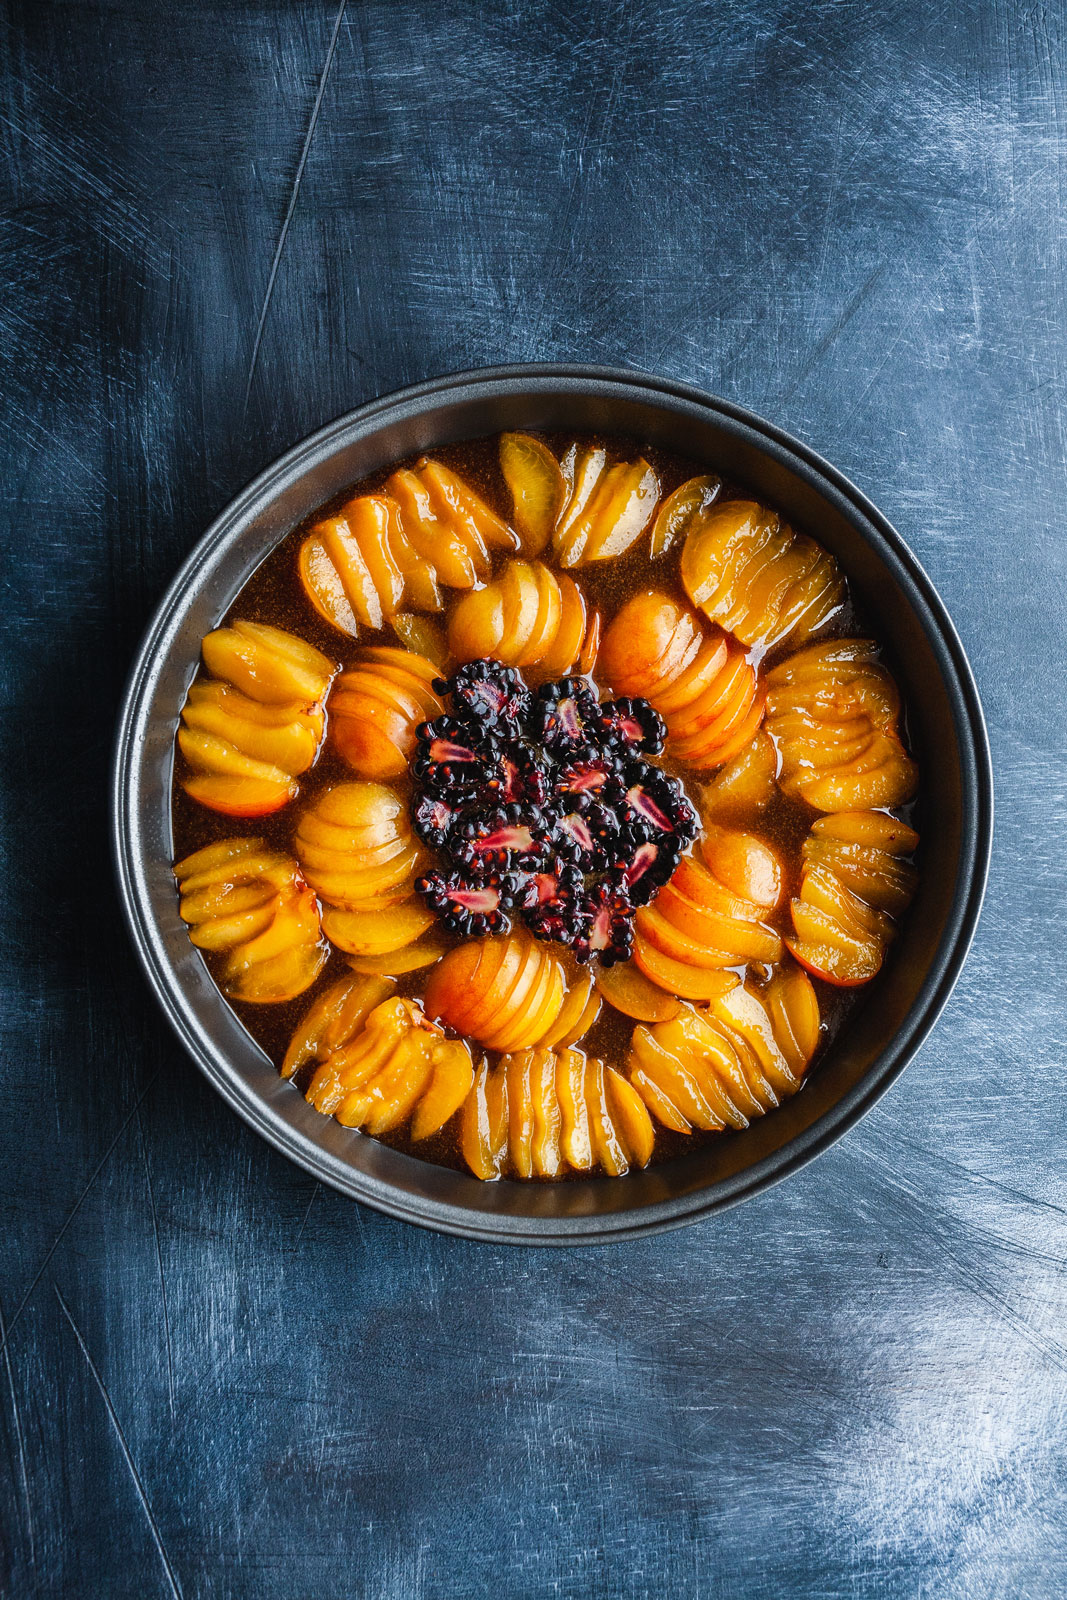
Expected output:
{"points": [[538, 489], [720, 1066], [751, 573], [746, 785], [251, 728], [540, 1112], [450, 527], [526, 618], [678, 512], [608, 507], [356, 849], [249, 903], [855, 883], [546, 811], [833, 711], [506, 992], [698, 679], [376, 707], [394, 1067], [711, 916]]}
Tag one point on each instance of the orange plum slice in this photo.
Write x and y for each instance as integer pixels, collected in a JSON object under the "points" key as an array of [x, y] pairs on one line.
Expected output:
{"points": [[538, 489], [677, 513]]}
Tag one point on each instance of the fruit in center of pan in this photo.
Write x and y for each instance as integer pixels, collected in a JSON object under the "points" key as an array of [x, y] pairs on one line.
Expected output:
{"points": [[545, 809]]}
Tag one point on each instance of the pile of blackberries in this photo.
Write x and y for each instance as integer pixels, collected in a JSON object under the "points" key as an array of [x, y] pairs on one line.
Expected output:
{"points": [[546, 810]]}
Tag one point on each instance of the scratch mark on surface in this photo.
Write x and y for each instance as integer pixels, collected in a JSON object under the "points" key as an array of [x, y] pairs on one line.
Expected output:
{"points": [[62, 156], [73, 1212], [307, 1213], [301, 164], [20, 1443], [563, 239], [752, 1352], [159, 1263], [837, 327], [937, 1223], [983, 1178], [123, 1446]]}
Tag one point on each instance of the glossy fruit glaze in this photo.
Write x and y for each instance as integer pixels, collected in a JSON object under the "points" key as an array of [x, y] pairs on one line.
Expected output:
{"points": [[382, 860]]}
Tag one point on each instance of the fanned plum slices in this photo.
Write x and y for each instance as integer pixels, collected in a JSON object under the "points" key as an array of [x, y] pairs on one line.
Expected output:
{"points": [[588, 828], [539, 1113], [751, 573], [854, 886], [357, 567], [507, 992], [384, 551], [526, 618], [449, 527], [833, 712], [590, 507], [538, 491], [251, 727], [680, 510], [356, 849], [712, 916], [699, 680], [376, 707], [722, 1065], [386, 1067], [250, 904], [608, 507]]}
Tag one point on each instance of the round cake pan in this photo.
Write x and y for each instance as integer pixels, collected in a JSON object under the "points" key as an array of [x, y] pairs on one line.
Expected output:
{"points": [[945, 726]]}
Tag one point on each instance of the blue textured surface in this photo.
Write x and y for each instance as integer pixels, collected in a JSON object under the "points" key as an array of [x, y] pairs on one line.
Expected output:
{"points": [[222, 226]]}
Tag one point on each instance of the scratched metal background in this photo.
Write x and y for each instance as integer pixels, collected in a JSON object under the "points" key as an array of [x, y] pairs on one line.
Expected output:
{"points": [[225, 223]]}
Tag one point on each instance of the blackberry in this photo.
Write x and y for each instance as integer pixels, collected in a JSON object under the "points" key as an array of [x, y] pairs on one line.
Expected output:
{"points": [[608, 931], [452, 758], [432, 819], [468, 908], [568, 714], [521, 775], [493, 697], [594, 772], [552, 906], [648, 867], [508, 837], [656, 804], [633, 725], [585, 833]]}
